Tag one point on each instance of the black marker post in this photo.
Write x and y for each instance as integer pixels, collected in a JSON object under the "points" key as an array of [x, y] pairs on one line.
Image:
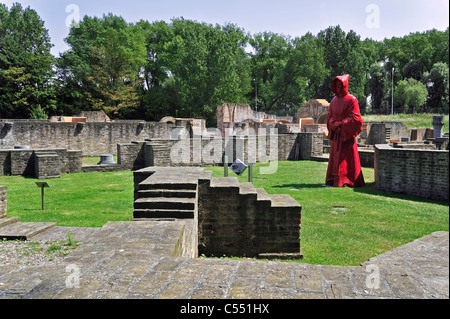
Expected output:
{"points": [[42, 185]]}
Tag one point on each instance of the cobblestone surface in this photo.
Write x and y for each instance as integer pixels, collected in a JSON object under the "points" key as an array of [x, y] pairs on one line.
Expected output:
{"points": [[133, 260]]}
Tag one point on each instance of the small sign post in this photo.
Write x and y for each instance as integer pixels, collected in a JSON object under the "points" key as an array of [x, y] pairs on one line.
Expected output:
{"points": [[238, 167], [42, 185]]}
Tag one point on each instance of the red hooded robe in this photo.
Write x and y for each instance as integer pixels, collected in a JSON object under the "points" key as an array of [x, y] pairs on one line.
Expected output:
{"points": [[344, 125]]}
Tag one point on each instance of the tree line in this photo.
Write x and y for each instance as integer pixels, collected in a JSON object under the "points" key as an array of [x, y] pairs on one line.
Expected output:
{"points": [[149, 70]]}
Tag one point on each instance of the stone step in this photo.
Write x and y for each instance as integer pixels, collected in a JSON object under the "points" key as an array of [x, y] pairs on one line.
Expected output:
{"points": [[24, 230], [167, 185], [283, 200], [8, 220], [247, 189], [262, 195], [224, 182], [162, 213], [180, 193], [165, 203]]}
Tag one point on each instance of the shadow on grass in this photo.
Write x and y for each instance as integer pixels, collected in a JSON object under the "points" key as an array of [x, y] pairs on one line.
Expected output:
{"points": [[299, 186], [371, 189]]}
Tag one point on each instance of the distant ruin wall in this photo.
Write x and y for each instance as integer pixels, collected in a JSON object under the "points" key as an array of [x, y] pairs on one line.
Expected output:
{"points": [[40, 163], [422, 173], [208, 151], [93, 139]]}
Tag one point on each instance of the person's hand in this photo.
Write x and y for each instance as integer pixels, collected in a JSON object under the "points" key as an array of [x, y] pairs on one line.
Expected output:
{"points": [[337, 126]]}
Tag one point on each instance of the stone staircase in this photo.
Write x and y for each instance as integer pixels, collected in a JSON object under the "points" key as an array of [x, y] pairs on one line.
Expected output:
{"points": [[233, 218], [167, 193], [166, 200], [13, 229]]}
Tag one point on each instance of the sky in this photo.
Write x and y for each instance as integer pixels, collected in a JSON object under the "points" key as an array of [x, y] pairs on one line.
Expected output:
{"points": [[376, 19]]}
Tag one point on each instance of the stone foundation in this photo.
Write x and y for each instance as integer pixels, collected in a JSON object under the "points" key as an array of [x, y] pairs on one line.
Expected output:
{"points": [[421, 173], [233, 219]]}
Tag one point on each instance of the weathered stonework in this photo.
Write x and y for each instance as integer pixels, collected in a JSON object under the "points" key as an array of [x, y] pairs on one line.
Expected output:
{"points": [[421, 173], [92, 138], [34, 162], [233, 218]]}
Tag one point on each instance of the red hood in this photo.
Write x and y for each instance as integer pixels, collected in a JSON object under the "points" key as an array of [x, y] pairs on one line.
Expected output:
{"points": [[344, 80]]}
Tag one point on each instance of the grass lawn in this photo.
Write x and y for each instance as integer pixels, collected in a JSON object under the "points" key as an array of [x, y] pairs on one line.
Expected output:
{"points": [[411, 120], [74, 200], [344, 226], [340, 226]]}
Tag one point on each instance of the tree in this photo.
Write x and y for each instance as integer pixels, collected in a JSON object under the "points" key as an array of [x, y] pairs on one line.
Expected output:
{"points": [[101, 69], [411, 95], [26, 63], [192, 67], [343, 54], [377, 87], [437, 82]]}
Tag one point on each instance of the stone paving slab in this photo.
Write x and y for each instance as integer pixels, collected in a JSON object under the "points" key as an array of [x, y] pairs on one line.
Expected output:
{"points": [[131, 260], [23, 231]]}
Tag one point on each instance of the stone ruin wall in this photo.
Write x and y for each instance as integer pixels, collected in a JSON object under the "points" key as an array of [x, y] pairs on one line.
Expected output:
{"points": [[422, 173], [92, 138]]}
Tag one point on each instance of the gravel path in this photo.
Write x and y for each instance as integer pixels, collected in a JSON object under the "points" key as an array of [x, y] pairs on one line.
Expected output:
{"points": [[45, 249]]}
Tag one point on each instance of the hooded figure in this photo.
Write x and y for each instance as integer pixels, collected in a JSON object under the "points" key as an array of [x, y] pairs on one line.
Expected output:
{"points": [[344, 125]]}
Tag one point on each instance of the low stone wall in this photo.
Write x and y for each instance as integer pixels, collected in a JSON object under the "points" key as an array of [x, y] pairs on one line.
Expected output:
{"points": [[422, 173], [40, 163], [3, 201], [92, 138], [228, 218], [187, 245], [209, 151], [235, 222], [367, 158]]}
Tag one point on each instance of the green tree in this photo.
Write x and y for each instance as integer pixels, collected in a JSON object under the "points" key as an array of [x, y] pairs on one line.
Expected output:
{"points": [[101, 69], [26, 64], [438, 88], [192, 67], [411, 95], [343, 54], [378, 90]]}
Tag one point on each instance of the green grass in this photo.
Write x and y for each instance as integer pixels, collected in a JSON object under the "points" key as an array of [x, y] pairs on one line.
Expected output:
{"points": [[74, 200], [93, 160], [411, 120], [372, 221], [340, 226]]}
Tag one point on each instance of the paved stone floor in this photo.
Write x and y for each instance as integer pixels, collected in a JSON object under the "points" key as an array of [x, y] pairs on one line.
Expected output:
{"points": [[132, 260]]}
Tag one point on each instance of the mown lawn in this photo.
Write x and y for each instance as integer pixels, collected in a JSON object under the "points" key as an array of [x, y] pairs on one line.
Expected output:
{"points": [[344, 226], [411, 120], [340, 226], [74, 200]]}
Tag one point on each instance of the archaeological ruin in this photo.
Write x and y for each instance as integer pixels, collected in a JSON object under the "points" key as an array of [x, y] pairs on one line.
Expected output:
{"points": [[168, 160]]}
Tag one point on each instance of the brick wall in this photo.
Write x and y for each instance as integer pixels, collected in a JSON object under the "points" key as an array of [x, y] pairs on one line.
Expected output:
{"points": [[422, 173], [209, 151], [25, 162], [233, 223], [3, 202], [93, 139]]}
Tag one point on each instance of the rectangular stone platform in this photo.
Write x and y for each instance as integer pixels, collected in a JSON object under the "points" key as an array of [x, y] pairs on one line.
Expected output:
{"points": [[23, 231]]}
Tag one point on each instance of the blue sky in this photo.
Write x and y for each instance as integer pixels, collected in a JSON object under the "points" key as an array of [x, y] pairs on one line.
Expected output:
{"points": [[376, 19]]}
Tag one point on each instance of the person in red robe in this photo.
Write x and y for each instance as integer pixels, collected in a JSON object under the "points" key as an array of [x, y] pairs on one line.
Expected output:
{"points": [[344, 124]]}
